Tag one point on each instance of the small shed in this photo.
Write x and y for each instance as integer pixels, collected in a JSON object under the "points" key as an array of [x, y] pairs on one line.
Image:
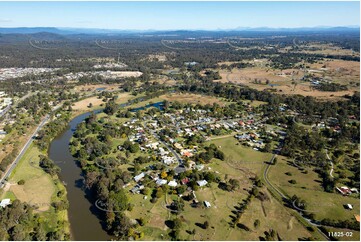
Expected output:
{"points": [[207, 204], [202, 183]]}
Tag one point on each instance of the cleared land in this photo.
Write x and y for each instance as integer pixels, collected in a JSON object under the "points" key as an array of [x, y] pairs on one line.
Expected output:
{"points": [[83, 105], [338, 71], [193, 98], [38, 187]]}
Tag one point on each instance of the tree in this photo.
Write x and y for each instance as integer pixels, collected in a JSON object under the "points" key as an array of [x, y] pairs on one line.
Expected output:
{"points": [[256, 223], [163, 174], [206, 225], [118, 201], [267, 147], [234, 184], [111, 107]]}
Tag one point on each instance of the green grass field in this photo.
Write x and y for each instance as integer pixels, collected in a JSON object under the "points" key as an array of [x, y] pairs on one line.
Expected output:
{"points": [[308, 187], [238, 156], [271, 213]]}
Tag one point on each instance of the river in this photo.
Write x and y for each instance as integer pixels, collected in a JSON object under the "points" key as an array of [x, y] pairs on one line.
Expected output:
{"points": [[84, 223]]}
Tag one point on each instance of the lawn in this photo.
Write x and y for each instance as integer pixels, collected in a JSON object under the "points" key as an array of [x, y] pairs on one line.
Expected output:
{"points": [[239, 156]]}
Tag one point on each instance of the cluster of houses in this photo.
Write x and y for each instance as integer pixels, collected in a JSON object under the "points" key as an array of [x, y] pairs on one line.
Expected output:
{"points": [[160, 181], [15, 72]]}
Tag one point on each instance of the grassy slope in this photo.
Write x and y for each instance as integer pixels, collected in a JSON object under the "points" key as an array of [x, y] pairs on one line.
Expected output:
{"points": [[39, 188]]}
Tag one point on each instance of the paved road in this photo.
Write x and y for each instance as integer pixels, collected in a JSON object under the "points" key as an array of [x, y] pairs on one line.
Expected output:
{"points": [[5, 110], [180, 168], [265, 175], [24, 149]]}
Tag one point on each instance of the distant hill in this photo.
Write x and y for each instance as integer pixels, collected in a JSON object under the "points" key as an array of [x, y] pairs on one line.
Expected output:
{"points": [[72, 31]]}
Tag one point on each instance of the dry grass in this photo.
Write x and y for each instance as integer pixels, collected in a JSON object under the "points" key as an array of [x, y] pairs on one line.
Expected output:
{"points": [[91, 87], [325, 49], [83, 105], [192, 98], [281, 81]]}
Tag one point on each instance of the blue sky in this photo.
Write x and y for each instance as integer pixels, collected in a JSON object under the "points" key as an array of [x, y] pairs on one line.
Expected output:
{"points": [[178, 15]]}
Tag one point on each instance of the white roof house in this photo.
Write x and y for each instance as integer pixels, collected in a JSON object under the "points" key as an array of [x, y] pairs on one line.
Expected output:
{"points": [[139, 177], [202, 183], [5, 202], [208, 204], [168, 160], [160, 182], [172, 183]]}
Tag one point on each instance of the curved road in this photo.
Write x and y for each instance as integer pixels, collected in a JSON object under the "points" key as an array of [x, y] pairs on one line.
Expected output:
{"points": [[328, 157], [280, 193]]}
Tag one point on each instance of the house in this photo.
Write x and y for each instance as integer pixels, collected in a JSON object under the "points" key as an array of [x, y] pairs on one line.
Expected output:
{"points": [[187, 153], [139, 177], [344, 190], [178, 146], [202, 183], [162, 152], [168, 160], [5, 202], [185, 181], [137, 189], [200, 167], [161, 182], [207, 204], [172, 183]]}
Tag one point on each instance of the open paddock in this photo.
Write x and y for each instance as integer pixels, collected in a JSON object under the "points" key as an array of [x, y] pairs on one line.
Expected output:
{"points": [[193, 98]]}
